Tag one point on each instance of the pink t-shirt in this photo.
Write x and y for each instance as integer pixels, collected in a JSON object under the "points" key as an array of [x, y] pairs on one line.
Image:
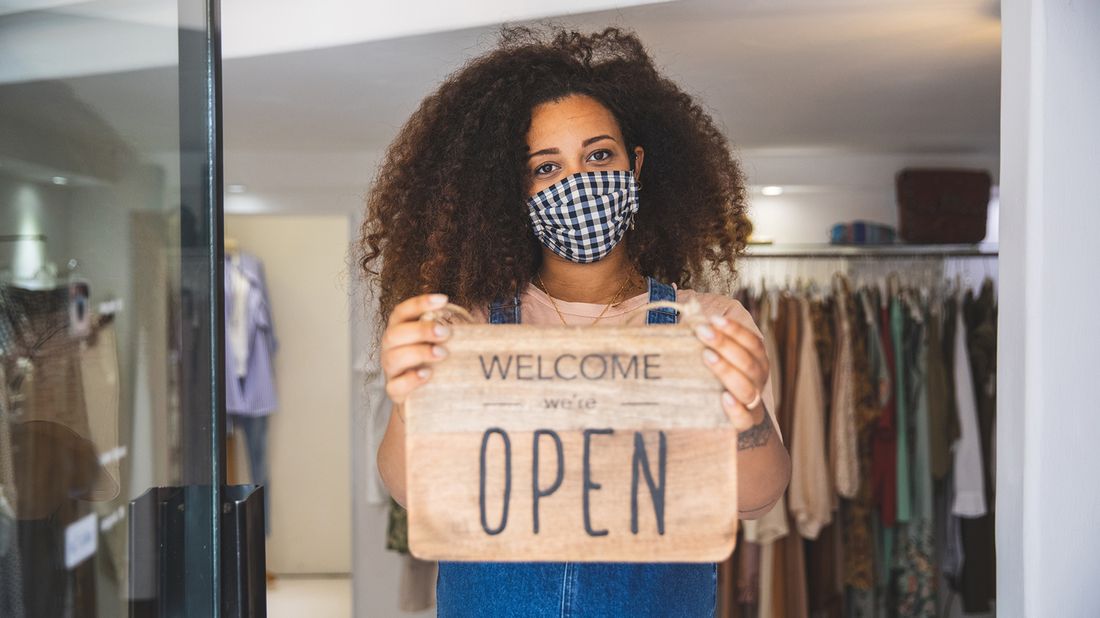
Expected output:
{"points": [[536, 309]]}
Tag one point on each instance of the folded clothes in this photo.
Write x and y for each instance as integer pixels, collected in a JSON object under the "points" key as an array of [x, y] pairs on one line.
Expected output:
{"points": [[860, 232]]}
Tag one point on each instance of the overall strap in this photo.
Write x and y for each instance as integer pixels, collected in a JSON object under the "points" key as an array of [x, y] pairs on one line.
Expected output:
{"points": [[501, 312], [660, 291]]}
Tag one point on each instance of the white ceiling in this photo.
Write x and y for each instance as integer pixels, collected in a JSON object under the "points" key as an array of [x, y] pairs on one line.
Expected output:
{"points": [[908, 76], [780, 76], [42, 39]]}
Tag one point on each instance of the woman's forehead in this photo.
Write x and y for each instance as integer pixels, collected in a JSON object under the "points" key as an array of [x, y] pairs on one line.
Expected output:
{"points": [[567, 122]]}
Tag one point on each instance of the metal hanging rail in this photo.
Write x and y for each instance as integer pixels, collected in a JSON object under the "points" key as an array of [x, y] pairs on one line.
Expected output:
{"points": [[826, 251], [19, 237]]}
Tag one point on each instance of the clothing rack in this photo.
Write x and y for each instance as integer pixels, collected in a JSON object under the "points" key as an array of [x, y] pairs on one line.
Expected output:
{"points": [[895, 559], [928, 266], [22, 237], [898, 250]]}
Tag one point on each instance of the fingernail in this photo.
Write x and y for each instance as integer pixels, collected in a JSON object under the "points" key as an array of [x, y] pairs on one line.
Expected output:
{"points": [[710, 356], [705, 332], [441, 330], [437, 300], [423, 372], [727, 399], [719, 320], [439, 351]]}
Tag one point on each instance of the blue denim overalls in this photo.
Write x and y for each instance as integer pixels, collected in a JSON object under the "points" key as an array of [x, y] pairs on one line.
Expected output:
{"points": [[577, 588]]}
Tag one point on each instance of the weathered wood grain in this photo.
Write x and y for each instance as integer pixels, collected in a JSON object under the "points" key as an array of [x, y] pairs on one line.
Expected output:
{"points": [[623, 390]]}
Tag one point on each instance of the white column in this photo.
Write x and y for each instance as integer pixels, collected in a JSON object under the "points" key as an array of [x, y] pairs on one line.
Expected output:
{"points": [[1048, 544]]}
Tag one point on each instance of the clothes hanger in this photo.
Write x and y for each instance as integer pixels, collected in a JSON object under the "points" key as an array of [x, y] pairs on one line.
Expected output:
{"points": [[924, 283], [913, 305], [893, 280]]}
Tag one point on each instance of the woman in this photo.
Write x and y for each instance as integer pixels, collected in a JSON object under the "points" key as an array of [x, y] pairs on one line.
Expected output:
{"points": [[515, 190]]}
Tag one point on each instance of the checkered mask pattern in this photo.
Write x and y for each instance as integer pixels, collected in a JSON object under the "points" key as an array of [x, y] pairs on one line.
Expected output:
{"points": [[583, 216]]}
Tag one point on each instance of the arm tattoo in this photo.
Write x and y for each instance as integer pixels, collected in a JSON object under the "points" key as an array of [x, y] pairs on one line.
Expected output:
{"points": [[755, 436]]}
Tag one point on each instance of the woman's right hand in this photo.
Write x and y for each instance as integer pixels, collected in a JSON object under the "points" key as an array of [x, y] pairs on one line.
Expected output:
{"points": [[410, 345]]}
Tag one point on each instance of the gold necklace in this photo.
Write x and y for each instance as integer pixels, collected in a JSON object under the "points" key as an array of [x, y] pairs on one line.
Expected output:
{"points": [[558, 311]]}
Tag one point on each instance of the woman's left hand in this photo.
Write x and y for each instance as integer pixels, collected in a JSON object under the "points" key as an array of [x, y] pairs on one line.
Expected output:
{"points": [[738, 358]]}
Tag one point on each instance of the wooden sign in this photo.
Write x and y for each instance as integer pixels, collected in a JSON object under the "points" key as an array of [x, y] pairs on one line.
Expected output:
{"points": [[602, 443]]}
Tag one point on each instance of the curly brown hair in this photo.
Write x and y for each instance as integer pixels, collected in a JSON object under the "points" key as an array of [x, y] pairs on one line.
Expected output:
{"points": [[446, 212]]}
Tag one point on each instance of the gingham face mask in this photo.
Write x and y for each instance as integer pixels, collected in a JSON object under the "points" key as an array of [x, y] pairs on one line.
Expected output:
{"points": [[583, 216]]}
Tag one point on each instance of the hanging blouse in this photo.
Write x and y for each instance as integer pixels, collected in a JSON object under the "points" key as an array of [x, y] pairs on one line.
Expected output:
{"points": [[843, 455], [811, 501], [969, 499]]}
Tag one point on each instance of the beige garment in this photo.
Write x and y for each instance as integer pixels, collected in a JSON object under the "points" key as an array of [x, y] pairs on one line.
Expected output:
{"points": [[417, 587], [771, 346], [750, 528], [843, 451], [772, 525], [766, 606], [536, 308], [969, 499], [788, 573], [769, 529], [100, 378], [100, 381], [810, 496]]}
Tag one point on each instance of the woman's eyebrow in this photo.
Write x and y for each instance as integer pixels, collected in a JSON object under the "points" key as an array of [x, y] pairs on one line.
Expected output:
{"points": [[592, 140], [585, 143], [544, 151]]}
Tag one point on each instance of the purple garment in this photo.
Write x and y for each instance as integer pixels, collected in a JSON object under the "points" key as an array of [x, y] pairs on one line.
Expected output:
{"points": [[254, 394]]}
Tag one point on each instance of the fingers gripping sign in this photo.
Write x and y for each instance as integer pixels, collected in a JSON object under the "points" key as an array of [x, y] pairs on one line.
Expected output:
{"points": [[411, 345], [738, 359]]}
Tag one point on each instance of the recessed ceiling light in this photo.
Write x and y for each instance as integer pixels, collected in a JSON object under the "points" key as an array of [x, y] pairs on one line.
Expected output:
{"points": [[59, 180], [772, 190], [236, 188]]}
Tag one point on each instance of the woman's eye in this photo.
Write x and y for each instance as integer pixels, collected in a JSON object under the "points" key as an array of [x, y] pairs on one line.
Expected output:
{"points": [[600, 155], [544, 169]]}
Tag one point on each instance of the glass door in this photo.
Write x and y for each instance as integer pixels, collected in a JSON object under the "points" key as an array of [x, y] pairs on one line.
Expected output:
{"points": [[110, 304]]}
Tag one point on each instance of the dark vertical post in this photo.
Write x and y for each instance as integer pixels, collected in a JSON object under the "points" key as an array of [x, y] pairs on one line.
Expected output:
{"points": [[201, 387]]}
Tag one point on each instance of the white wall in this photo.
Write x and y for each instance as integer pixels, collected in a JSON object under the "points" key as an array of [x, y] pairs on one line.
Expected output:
{"points": [[822, 188], [1047, 543], [309, 448], [376, 571]]}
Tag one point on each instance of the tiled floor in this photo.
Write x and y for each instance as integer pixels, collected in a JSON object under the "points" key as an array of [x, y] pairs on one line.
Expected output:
{"points": [[291, 597]]}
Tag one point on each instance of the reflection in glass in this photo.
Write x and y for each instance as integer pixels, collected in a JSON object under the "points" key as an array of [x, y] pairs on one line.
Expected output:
{"points": [[95, 320]]}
